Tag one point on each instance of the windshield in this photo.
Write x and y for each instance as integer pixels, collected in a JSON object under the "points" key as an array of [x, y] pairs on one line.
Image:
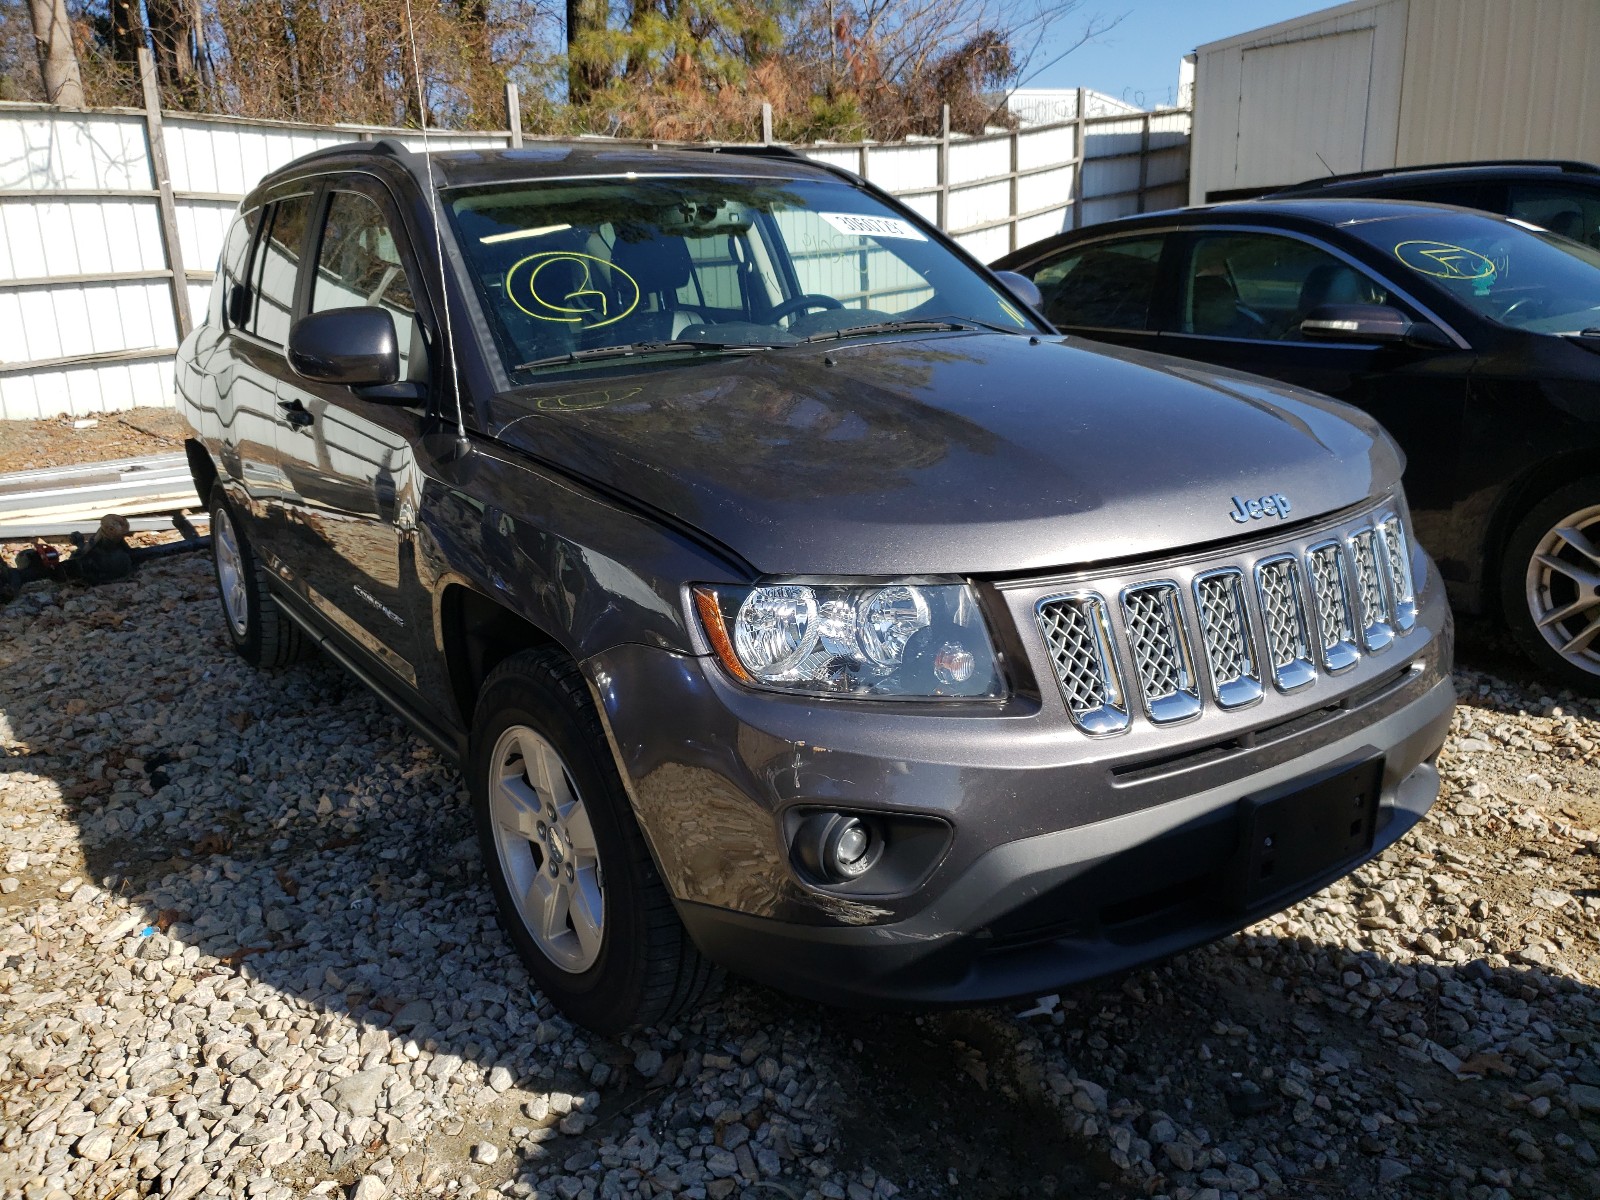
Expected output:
{"points": [[566, 268], [1505, 271]]}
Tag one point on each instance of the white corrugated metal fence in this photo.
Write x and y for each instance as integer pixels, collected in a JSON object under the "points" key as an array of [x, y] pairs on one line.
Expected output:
{"points": [[100, 265]]}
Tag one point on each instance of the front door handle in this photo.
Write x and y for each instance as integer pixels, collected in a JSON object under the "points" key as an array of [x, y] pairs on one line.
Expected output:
{"points": [[296, 413]]}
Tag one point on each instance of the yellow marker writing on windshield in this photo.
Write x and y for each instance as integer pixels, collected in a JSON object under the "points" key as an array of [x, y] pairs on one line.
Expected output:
{"points": [[1443, 260], [561, 285]]}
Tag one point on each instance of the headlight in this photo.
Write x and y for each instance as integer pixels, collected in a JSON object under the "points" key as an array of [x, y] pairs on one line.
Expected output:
{"points": [[898, 640]]}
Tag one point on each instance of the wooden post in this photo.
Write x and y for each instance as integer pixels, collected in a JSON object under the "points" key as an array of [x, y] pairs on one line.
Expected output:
{"points": [[163, 181], [861, 170], [514, 115], [1016, 183], [1144, 160], [943, 204], [1079, 155], [766, 123]]}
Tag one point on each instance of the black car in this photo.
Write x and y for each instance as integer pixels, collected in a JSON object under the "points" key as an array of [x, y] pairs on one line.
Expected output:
{"points": [[1475, 340], [1561, 196], [792, 596]]}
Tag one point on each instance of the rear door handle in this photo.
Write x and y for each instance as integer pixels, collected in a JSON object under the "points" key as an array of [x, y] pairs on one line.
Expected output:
{"points": [[296, 413]]}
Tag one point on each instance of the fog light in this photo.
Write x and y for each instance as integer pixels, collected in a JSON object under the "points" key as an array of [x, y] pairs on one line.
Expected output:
{"points": [[837, 848]]}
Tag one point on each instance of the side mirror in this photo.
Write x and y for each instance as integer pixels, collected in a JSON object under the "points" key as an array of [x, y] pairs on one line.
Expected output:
{"points": [[352, 346], [1022, 288], [1377, 323]]}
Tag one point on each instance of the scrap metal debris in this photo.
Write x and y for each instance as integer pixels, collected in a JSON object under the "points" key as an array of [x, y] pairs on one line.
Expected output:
{"points": [[102, 557]]}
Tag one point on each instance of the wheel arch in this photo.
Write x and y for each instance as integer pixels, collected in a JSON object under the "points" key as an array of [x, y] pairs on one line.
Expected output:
{"points": [[201, 469], [1543, 479], [477, 634]]}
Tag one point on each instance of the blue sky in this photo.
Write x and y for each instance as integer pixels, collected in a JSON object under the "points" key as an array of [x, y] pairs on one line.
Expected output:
{"points": [[1138, 60]]}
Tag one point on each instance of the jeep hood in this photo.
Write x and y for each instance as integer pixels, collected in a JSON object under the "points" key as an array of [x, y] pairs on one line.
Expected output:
{"points": [[965, 453]]}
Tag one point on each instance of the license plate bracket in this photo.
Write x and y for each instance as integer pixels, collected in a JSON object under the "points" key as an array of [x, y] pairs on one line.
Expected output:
{"points": [[1298, 835]]}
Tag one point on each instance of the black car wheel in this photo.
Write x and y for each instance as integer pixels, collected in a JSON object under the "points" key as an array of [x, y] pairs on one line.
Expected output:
{"points": [[260, 632], [577, 891], [1550, 584]]}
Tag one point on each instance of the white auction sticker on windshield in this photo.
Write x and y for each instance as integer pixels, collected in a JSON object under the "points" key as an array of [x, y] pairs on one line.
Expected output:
{"points": [[878, 227]]}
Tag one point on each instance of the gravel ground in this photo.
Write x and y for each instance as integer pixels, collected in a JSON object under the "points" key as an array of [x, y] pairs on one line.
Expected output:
{"points": [[55, 442], [245, 951]]}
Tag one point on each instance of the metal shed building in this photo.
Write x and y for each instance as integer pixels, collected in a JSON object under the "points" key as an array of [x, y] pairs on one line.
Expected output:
{"points": [[1386, 83]]}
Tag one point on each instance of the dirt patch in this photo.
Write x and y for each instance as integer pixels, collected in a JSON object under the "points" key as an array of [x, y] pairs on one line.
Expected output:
{"points": [[56, 442]]}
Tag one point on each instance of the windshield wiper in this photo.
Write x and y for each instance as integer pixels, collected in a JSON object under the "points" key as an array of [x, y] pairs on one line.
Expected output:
{"points": [[919, 325], [912, 325], [633, 349]]}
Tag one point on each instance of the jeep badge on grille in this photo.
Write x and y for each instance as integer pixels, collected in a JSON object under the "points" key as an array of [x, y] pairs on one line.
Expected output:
{"points": [[1274, 505]]}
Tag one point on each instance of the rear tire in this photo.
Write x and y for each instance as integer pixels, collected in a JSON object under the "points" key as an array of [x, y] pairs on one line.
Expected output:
{"points": [[577, 891], [257, 627], [1550, 585]]}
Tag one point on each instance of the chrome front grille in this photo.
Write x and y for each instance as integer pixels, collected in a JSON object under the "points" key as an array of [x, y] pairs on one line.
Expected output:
{"points": [[1283, 614], [1330, 594], [1398, 551], [1078, 637], [1303, 608], [1372, 601], [1225, 633], [1153, 620]]}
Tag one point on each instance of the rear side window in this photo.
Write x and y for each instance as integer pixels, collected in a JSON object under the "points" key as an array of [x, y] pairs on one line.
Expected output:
{"points": [[1462, 195], [1109, 285], [1571, 213], [358, 265], [233, 302], [277, 262]]}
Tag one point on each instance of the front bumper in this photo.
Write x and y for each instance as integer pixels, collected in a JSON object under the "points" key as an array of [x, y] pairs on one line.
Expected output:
{"points": [[1032, 916], [1067, 856]]}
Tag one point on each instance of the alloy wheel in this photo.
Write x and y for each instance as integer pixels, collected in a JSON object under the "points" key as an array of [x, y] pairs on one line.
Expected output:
{"points": [[547, 849], [230, 573], [1563, 588]]}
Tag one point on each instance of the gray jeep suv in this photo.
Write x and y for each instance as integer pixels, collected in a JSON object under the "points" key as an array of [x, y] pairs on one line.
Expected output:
{"points": [[792, 597]]}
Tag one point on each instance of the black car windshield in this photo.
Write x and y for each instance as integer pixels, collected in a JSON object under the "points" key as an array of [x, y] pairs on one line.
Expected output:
{"points": [[670, 264], [1506, 271]]}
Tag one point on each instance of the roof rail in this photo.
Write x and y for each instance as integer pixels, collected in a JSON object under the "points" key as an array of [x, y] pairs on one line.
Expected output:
{"points": [[1563, 165], [745, 151]]}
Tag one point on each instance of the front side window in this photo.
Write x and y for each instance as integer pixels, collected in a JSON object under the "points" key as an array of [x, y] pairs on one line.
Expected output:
{"points": [[277, 262], [1260, 286], [1105, 285], [1506, 272], [734, 263], [358, 265], [1568, 211]]}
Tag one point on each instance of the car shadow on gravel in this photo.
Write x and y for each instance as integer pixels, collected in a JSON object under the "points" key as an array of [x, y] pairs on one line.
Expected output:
{"points": [[282, 883], [252, 901]]}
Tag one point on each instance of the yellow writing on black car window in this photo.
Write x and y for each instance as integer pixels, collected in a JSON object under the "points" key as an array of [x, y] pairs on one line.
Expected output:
{"points": [[572, 288], [1443, 260]]}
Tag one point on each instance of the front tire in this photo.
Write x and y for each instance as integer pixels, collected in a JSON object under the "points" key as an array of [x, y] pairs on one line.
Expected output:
{"points": [[257, 627], [1550, 585], [577, 891]]}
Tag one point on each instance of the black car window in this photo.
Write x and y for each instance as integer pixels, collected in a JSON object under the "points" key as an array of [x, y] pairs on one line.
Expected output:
{"points": [[1463, 195], [232, 303], [358, 264], [277, 262], [1568, 211], [1106, 285], [1260, 286]]}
